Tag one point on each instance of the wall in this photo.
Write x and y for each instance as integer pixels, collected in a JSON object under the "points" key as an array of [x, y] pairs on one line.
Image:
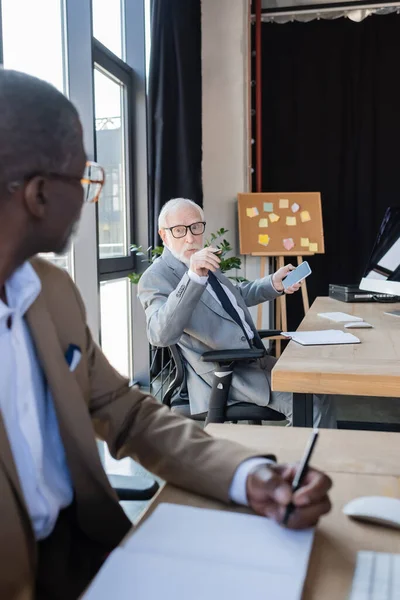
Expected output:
{"points": [[225, 117]]}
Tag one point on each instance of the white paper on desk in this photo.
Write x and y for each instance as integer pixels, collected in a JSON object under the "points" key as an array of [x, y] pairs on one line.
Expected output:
{"points": [[183, 553], [326, 337], [340, 317]]}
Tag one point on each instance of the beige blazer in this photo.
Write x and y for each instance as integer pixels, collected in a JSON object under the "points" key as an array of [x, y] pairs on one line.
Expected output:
{"points": [[95, 400]]}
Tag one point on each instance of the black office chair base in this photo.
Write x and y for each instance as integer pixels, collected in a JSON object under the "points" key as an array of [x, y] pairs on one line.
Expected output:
{"points": [[242, 411]]}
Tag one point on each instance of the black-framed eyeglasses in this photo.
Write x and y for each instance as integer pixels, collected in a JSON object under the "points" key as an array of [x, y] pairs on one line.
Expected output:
{"points": [[179, 231]]}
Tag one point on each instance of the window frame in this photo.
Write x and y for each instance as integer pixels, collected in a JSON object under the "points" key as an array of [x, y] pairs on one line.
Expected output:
{"points": [[117, 267]]}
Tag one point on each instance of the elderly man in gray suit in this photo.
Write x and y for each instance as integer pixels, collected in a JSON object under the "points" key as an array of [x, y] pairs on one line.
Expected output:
{"points": [[189, 302]]}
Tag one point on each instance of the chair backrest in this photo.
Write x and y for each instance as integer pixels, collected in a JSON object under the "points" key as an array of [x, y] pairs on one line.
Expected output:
{"points": [[177, 389]]}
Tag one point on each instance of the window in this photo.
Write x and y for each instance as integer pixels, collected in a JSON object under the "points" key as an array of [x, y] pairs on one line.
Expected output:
{"points": [[110, 143], [113, 92], [46, 41], [108, 25], [113, 95], [115, 302], [32, 43], [52, 40]]}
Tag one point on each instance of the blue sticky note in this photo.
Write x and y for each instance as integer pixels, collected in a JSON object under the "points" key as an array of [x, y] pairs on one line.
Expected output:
{"points": [[268, 207]]}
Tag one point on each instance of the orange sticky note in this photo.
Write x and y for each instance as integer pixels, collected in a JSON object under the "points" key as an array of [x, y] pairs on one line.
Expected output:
{"points": [[263, 239], [291, 221], [304, 242], [263, 223], [283, 203], [274, 218], [305, 216], [313, 247]]}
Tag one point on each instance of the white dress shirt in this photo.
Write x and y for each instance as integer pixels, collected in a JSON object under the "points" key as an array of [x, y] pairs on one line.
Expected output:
{"points": [[28, 411]]}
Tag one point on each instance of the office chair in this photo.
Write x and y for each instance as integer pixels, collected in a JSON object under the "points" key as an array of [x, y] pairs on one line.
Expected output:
{"points": [[133, 488], [177, 398]]}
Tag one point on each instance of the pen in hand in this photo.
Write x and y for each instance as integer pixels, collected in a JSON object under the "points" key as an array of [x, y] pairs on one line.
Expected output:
{"points": [[301, 472]]}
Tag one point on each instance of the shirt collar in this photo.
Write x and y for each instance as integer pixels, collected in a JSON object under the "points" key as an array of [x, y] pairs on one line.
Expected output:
{"points": [[22, 288]]}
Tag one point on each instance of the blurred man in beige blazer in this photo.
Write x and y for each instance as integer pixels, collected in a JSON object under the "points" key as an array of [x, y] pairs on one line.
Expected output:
{"points": [[59, 517]]}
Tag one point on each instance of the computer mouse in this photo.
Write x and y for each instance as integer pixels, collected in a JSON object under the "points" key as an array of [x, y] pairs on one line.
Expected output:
{"points": [[375, 509]]}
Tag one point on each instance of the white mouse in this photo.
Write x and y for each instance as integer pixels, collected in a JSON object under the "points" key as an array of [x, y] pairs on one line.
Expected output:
{"points": [[375, 509], [358, 325]]}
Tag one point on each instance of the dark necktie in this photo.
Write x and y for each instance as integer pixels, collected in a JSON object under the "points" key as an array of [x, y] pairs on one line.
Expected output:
{"points": [[230, 309]]}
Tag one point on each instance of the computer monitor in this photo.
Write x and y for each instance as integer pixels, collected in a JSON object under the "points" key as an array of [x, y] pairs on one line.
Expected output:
{"points": [[382, 274]]}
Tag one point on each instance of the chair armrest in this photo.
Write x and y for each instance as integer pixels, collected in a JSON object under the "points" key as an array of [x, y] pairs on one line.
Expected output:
{"points": [[224, 356], [133, 488], [265, 333]]}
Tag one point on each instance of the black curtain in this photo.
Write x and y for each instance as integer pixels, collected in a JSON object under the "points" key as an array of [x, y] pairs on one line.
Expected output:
{"points": [[174, 109], [331, 123]]}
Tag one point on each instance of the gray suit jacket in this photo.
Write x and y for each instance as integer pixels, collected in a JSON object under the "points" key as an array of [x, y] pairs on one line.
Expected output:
{"points": [[181, 311]]}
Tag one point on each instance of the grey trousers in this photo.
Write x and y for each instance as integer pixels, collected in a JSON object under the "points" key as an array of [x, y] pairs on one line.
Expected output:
{"points": [[324, 408]]}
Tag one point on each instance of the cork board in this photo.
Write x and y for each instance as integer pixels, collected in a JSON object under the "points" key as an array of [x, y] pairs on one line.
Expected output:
{"points": [[281, 224]]}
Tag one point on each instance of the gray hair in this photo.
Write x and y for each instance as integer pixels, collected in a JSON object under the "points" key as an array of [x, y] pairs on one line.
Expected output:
{"points": [[172, 206]]}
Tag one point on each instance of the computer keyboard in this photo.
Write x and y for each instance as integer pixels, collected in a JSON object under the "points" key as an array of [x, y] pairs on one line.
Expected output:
{"points": [[376, 577]]}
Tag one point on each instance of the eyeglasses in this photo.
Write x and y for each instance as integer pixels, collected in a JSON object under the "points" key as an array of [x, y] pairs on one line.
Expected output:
{"points": [[92, 181], [179, 231]]}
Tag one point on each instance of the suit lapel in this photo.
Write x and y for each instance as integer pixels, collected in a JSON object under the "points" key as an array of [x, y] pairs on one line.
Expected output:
{"points": [[179, 270], [8, 464]]}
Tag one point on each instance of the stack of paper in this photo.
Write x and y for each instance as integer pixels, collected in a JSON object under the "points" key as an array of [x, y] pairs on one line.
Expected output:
{"points": [[187, 553], [322, 338]]}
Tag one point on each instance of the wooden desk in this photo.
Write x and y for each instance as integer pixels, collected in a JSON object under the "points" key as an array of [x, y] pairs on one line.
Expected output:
{"points": [[371, 368], [337, 451], [337, 539]]}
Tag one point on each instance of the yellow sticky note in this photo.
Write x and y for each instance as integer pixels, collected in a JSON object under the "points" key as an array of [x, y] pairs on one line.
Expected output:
{"points": [[263, 239], [313, 247], [305, 216], [252, 212], [263, 223], [274, 218], [291, 221], [304, 242], [283, 203]]}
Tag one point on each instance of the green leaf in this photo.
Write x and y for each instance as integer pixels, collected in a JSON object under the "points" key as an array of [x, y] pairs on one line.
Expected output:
{"points": [[134, 277]]}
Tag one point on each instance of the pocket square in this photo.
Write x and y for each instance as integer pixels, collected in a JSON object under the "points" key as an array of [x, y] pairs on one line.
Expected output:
{"points": [[73, 356]]}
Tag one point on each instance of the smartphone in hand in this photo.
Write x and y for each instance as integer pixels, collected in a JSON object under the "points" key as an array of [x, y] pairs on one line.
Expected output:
{"points": [[298, 274]]}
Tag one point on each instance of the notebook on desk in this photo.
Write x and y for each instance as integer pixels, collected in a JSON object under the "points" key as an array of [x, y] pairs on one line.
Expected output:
{"points": [[325, 337], [182, 553]]}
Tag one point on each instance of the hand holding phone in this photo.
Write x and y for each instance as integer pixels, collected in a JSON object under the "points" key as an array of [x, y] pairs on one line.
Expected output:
{"points": [[298, 274]]}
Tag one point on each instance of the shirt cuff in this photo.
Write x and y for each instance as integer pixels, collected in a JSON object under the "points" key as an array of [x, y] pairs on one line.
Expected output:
{"points": [[237, 491], [273, 285], [197, 278]]}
